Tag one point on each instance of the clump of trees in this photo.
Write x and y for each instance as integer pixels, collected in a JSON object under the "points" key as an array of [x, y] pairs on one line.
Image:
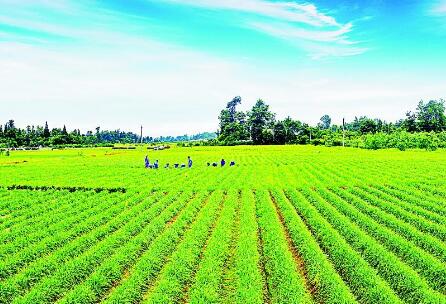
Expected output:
{"points": [[424, 128], [35, 136]]}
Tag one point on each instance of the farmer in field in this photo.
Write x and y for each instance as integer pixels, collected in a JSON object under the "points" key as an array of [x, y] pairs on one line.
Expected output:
{"points": [[155, 165], [189, 162], [223, 162], [232, 163], [146, 161]]}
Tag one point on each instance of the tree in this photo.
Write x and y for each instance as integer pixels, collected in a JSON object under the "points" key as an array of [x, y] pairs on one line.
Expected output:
{"points": [[260, 120], [410, 122], [233, 127], [325, 122], [46, 131], [280, 133], [431, 116], [231, 107], [367, 125]]}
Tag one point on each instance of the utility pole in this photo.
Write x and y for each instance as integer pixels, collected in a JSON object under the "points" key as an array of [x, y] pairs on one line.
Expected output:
{"points": [[141, 134], [343, 132]]}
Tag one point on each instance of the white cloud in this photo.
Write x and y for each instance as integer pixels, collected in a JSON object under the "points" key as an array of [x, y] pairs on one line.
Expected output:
{"points": [[317, 43], [289, 32], [439, 8], [293, 22], [289, 11]]}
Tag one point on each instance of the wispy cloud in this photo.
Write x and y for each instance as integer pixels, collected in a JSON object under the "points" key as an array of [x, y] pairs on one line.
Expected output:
{"points": [[289, 32], [294, 22], [289, 11], [317, 43], [439, 8]]}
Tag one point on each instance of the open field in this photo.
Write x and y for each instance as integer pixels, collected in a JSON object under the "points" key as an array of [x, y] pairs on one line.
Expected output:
{"points": [[288, 224]]}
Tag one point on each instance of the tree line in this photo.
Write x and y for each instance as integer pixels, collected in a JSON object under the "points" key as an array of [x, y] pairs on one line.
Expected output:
{"points": [[259, 126], [42, 136]]}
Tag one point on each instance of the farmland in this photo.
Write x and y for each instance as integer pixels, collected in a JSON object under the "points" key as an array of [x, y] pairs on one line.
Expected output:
{"points": [[286, 224]]}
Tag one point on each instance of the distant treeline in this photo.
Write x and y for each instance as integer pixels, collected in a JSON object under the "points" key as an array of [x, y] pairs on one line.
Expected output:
{"points": [[424, 128], [35, 136]]}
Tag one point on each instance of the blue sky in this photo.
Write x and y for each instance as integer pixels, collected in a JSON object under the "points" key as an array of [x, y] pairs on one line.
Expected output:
{"points": [[172, 64]]}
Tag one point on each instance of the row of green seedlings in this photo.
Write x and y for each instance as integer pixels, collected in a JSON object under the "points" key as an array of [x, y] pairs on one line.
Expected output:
{"points": [[425, 241], [86, 250], [436, 191], [9, 202], [410, 196], [76, 270], [66, 188], [23, 263], [422, 198], [410, 206], [375, 196], [80, 224], [25, 208], [176, 276], [434, 229], [429, 267], [46, 229], [142, 276], [405, 281], [285, 283], [414, 198], [326, 283], [392, 205], [248, 280], [362, 279], [425, 220], [36, 217], [209, 278], [109, 274]]}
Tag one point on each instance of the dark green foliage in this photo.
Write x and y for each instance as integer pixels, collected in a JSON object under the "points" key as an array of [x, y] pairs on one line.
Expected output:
{"points": [[69, 189], [424, 129], [325, 122], [261, 121], [430, 116], [233, 126]]}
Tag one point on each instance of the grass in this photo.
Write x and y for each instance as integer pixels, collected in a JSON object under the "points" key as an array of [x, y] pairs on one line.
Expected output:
{"points": [[287, 224]]}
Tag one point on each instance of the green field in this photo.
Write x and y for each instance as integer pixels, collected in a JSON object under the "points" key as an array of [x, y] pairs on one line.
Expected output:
{"points": [[287, 224]]}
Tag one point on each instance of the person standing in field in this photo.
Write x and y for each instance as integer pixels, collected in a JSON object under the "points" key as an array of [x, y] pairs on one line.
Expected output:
{"points": [[223, 162], [146, 161], [189, 162]]}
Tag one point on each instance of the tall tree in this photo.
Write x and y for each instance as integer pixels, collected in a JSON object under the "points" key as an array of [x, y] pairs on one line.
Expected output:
{"points": [[280, 133], [260, 121], [431, 116], [325, 122], [232, 107], [410, 122], [232, 123], [46, 131]]}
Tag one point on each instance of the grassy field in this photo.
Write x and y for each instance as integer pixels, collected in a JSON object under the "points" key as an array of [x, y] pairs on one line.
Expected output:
{"points": [[288, 224]]}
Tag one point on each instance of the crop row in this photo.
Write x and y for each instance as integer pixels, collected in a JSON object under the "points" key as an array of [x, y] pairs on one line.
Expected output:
{"points": [[82, 254], [141, 276], [409, 286], [48, 240], [209, 276], [108, 274], [47, 233]]}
